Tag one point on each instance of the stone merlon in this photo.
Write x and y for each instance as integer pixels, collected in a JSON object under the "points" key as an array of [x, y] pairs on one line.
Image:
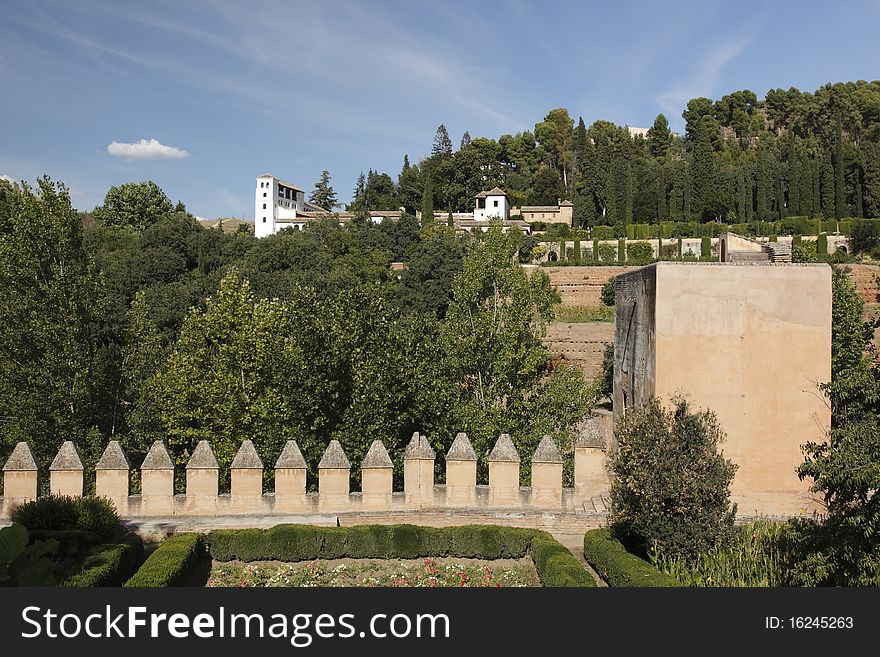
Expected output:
{"points": [[546, 452], [247, 458], [203, 458], [334, 458], [290, 458], [157, 458], [504, 450], [22, 458], [461, 449], [377, 457], [419, 449], [590, 435], [113, 458], [67, 458]]}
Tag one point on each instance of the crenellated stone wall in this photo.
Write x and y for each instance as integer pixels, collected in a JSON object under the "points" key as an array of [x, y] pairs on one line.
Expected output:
{"points": [[246, 496]]}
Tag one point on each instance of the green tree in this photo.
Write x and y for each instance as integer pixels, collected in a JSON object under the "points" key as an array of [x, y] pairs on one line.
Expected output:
{"points": [[672, 484], [846, 468], [134, 205], [323, 194], [659, 137], [427, 199], [53, 372], [705, 192], [442, 143]]}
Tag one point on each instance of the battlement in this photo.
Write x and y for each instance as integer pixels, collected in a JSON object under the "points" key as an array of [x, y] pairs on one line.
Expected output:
{"points": [[247, 497]]}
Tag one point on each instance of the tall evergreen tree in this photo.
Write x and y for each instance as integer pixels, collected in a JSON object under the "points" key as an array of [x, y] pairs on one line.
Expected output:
{"points": [[442, 143], [703, 168], [839, 165], [465, 140], [427, 200], [828, 185], [323, 194], [659, 137]]}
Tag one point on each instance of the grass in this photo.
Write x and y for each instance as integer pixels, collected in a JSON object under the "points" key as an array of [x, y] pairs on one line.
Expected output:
{"points": [[582, 314], [756, 556]]}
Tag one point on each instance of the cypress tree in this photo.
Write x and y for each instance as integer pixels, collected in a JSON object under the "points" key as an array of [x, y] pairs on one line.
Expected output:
{"points": [[779, 186], [794, 188], [764, 189], [839, 165], [629, 198], [816, 180], [427, 200], [806, 186], [703, 170], [828, 185]]}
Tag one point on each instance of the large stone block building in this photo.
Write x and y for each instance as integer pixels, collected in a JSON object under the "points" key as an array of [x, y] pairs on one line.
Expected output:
{"points": [[751, 342]]}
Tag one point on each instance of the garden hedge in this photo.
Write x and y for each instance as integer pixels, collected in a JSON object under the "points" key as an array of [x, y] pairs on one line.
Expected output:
{"points": [[171, 564], [617, 566], [109, 564], [556, 566]]}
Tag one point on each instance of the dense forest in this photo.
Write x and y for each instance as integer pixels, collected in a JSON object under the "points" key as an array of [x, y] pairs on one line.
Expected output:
{"points": [[741, 159]]}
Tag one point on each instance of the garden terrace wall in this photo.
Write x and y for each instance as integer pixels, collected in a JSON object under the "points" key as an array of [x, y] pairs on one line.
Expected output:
{"points": [[203, 497]]}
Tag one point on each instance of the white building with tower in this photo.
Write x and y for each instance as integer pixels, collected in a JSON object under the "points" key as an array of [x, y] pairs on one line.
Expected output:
{"points": [[492, 205], [279, 204]]}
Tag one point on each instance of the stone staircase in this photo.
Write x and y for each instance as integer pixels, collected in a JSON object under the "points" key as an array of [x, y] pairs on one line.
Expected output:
{"points": [[778, 251]]}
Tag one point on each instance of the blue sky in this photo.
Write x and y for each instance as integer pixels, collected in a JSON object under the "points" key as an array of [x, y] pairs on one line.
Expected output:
{"points": [[202, 97]]}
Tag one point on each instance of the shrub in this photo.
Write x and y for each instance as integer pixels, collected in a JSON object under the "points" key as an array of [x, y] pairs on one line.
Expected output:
{"points": [[822, 245], [306, 543], [639, 253], [621, 252], [617, 566], [607, 254], [607, 295], [576, 255], [96, 515], [172, 562], [51, 513], [109, 564], [706, 247], [557, 566], [671, 486], [23, 564], [865, 236], [602, 232]]}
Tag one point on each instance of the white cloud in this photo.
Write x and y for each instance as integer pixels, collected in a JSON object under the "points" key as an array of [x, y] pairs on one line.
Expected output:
{"points": [[146, 149]]}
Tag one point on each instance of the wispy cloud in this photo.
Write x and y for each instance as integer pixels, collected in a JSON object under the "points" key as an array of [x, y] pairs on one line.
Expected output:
{"points": [[704, 80], [146, 149]]}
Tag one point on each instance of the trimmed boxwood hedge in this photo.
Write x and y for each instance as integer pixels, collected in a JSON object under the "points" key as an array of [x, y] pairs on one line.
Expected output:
{"points": [[617, 566], [171, 564], [109, 564], [556, 566]]}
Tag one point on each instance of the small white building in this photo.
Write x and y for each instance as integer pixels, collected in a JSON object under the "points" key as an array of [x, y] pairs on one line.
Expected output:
{"points": [[493, 204], [277, 205]]}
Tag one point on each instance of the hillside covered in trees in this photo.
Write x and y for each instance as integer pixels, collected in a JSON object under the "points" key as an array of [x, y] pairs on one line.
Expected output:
{"points": [[741, 159]]}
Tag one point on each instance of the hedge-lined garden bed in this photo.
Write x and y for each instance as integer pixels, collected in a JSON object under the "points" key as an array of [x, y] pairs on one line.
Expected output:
{"points": [[617, 566], [170, 563]]}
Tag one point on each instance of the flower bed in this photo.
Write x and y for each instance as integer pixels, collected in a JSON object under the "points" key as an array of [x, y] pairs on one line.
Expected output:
{"points": [[427, 573]]}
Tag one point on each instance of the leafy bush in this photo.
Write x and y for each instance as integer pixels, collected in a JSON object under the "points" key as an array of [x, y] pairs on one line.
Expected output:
{"points": [[617, 566], [608, 292], [22, 564], [639, 253], [54, 512], [602, 232], [706, 248], [607, 254], [865, 236], [671, 485], [306, 543], [621, 252], [171, 564], [109, 564]]}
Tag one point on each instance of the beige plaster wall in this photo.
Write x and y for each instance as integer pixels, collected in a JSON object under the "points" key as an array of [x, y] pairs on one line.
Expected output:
{"points": [[751, 343]]}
